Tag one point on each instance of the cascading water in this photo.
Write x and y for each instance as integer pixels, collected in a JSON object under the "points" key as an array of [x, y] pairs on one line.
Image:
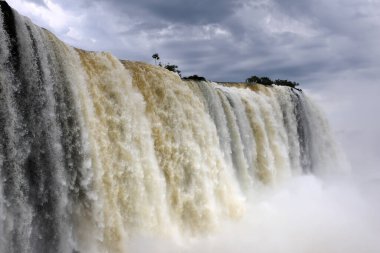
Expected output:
{"points": [[94, 150]]}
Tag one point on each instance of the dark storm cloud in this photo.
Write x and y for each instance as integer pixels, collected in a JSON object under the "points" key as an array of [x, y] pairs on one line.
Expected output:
{"points": [[178, 11], [297, 8], [230, 39], [67, 4]]}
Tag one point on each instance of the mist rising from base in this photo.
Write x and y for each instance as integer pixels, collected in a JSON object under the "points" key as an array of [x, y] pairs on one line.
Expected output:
{"points": [[305, 214]]}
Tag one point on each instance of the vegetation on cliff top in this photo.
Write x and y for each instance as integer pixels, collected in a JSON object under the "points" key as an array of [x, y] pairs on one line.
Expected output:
{"points": [[250, 80], [195, 78], [174, 68], [267, 81]]}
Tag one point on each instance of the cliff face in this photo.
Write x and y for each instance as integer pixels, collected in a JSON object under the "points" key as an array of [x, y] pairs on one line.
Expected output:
{"points": [[93, 150]]}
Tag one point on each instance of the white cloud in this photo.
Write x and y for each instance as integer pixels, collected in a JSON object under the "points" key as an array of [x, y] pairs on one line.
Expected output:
{"points": [[74, 34], [51, 15]]}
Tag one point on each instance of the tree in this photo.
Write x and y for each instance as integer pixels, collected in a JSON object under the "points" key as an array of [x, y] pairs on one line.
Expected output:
{"points": [[253, 79], [173, 68], [195, 78], [156, 57], [266, 81], [261, 80], [168, 66], [286, 83]]}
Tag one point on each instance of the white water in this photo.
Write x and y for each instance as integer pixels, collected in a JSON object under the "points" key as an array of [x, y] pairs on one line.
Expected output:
{"points": [[99, 155]]}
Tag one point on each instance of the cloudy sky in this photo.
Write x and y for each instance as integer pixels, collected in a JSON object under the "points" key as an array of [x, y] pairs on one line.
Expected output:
{"points": [[302, 40], [329, 46]]}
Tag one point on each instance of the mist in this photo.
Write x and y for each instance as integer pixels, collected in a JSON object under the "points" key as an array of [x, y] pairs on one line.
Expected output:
{"points": [[305, 214], [339, 213]]}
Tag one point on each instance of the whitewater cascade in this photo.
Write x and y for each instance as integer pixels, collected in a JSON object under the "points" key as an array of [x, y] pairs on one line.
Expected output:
{"points": [[94, 149]]}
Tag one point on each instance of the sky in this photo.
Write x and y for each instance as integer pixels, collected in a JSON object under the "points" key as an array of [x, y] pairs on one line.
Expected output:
{"points": [[226, 40]]}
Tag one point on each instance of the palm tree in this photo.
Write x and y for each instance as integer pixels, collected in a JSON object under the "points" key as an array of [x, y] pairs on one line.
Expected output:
{"points": [[156, 57]]}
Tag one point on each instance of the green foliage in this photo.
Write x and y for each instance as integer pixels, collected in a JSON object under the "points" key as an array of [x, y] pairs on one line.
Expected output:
{"points": [[170, 67], [156, 57], [286, 83], [173, 68], [267, 81], [261, 80], [253, 79], [195, 78]]}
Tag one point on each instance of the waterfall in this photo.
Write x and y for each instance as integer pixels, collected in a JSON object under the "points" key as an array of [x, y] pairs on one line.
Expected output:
{"points": [[94, 150]]}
